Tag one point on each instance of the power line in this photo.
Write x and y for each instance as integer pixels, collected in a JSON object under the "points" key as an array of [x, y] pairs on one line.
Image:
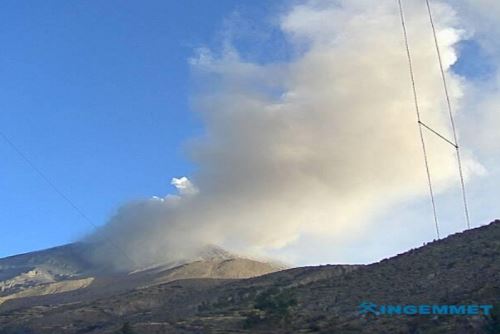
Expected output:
{"points": [[450, 112], [419, 122], [438, 134], [60, 193]]}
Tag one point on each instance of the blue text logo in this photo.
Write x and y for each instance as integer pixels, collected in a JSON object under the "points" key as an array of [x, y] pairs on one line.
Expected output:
{"points": [[424, 309]]}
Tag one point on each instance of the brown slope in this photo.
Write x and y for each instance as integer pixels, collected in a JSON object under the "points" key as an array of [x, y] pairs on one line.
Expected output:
{"points": [[463, 268], [62, 274]]}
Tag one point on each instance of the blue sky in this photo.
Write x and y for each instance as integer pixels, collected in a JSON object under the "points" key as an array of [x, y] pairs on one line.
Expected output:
{"points": [[97, 95]]}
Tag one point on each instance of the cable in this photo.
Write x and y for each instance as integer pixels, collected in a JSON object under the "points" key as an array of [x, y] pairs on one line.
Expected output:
{"points": [[450, 112], [60, 193], [438, 134], [417, 111]]}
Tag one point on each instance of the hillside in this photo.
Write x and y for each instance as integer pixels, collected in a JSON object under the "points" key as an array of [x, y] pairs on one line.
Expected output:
{"points": [[63, 274], [461, 269]]}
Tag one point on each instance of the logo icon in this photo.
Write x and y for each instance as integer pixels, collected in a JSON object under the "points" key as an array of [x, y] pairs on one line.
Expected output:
{"points": [[368, 307]]}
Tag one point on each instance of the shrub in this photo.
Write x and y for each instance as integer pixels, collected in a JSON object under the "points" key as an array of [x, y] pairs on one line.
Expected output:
{"points": [[275, 303]]}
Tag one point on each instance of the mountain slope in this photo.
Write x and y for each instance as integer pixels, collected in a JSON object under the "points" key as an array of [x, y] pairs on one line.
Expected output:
{"points": [[63, 273], [461, 269]]}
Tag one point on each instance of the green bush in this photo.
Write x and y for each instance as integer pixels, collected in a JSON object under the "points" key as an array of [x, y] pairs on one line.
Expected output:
{"points": [[275, 303], [272, 304]]}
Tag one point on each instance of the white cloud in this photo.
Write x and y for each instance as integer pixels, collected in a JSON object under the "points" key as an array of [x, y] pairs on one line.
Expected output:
{"points": [[184, 186]]}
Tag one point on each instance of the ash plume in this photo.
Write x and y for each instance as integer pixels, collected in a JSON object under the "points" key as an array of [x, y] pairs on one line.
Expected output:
{"points": [[316, 145]]}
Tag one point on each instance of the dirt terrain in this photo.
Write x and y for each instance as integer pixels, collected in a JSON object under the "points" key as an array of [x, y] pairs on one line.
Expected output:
{"points": [[461, 269]]}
